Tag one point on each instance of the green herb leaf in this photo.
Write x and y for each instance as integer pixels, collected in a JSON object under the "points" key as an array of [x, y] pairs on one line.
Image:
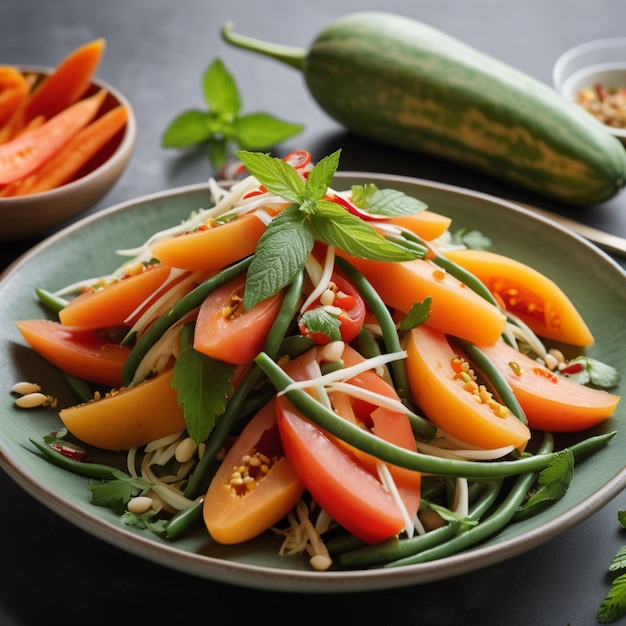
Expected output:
{"points": [[275, 174], [257, 131], [115, 493], [222, 126], [189, 128], [619, 560], [554, 480], [621, 518], [614, 604], [462, 523], [144, 521], [333, 225], [204, 386], [280, 254], [473, 239], [388, 202], [318, 320], [594, 372], [321, 176], [418, 313], [220, 91]]}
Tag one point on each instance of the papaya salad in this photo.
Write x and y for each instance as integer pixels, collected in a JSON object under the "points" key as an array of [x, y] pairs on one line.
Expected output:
{"points": [[337, 369]]}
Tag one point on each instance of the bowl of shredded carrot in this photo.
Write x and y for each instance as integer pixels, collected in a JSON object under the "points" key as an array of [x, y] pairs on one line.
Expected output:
{"points": [[65, 139]]}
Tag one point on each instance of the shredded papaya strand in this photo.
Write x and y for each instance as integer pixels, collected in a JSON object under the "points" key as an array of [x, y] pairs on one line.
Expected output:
{"points": [[76, 153], [23, 155]]}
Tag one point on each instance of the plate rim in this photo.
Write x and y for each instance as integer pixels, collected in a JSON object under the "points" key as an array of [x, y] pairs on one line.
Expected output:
{"points": [[271, 578]]}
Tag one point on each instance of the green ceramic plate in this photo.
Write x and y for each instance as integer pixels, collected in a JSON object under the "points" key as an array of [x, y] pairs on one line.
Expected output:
{"points": [[595, 284]]}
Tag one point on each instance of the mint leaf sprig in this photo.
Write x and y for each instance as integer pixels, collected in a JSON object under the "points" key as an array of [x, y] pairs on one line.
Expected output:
{"points": [[223, 126], [289, 238]]}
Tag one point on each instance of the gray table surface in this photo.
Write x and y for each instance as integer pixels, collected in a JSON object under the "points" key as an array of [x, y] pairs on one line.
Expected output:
{"points": [[55, 573]]}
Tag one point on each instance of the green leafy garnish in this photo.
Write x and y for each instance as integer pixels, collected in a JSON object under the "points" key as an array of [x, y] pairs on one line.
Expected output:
{"points": [[461, 523], [472, 239], [318, 320], [222, 126], [553, 481], [418, 313], [204, 386], [115, 493], [388, 202], [289, 238], [614, 604], [144, 521], [594, 372]]}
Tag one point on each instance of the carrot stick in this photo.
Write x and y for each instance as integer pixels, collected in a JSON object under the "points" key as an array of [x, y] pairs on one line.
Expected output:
{"points": [[13, 91], [76, 153], [23, 155], [60, 89], [67, 84]]}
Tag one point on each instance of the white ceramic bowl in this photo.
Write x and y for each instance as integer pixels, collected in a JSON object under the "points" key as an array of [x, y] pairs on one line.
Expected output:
{"points": [[595, 62], [28, 216]]}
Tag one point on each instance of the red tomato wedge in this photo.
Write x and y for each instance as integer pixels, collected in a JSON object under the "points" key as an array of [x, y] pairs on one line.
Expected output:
{"points": [[226, 332], [446, 401], [211, 248], [84, 353], [338, 481], [392, 426], [130, 417], [352, 315], [455, 310], [234, 513], [527, 293], [114, 304], [345, 484], [551, 402]]}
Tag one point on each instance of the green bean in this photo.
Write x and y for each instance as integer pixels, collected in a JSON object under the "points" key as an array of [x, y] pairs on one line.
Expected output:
{"points": [[495, 377], [79, 387], [90, 470], [396, 455], [185, 520], [225, 424], [395, 549], [184, 306], [50, 300], [494, 523]]}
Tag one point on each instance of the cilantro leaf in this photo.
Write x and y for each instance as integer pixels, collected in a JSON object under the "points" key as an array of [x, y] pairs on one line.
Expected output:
{"points": [[418, 313], [222, 124], [204, 386], [473, 239], [553, 481], [388, 202], [116, 492], [318, 320], [333, 225], [144, 521], [281, 253], [594, 372]]}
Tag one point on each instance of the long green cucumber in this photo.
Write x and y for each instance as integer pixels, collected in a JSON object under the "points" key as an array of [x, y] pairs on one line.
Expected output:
{"points": [[404, 83]]}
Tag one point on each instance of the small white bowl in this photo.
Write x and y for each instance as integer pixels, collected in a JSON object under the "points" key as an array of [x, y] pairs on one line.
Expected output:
{"points": [[23, 217], [596, 62]]}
